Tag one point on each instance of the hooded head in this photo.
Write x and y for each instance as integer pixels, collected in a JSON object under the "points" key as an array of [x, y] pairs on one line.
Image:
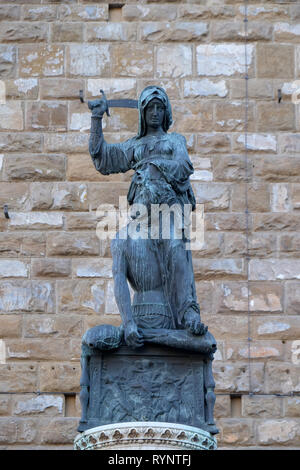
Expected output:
{"points": [[148, 94]]}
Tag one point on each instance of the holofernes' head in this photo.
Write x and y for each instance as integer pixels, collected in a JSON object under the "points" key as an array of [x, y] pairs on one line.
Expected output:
{"points": [[154, 93]]}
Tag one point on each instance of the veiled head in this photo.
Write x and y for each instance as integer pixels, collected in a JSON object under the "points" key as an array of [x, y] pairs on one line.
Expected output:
{"points": [[147, 95]]}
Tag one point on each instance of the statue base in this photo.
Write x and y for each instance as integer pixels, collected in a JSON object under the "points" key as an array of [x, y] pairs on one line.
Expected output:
{"points": [[139, 435]]}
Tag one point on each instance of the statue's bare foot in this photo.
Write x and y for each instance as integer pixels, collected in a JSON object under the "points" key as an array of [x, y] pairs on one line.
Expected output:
{"points": [[133, 337], [192, 323]]}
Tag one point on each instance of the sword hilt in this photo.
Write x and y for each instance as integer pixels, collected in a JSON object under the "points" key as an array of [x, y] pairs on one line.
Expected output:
{"points": [[107, 108]]}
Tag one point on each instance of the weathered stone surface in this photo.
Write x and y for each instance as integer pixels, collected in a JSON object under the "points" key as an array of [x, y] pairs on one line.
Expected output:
{"points": [[292, 406], [81, 296], [80, 164], [224, 222], [59, 196], [240, 350], [37, 349], [222, 407], [236, 432], [8, 433], [290, 245], [179, 31], [34, 167], [25, 88], [204, 87], [174, 61], [293, 298], [35, 220], [37, 13], [257, 88], [55, 88], [41, 60], [10, 327], [89, 60], [255, 142], [47, 115], [230, 168], [275, 221], [83, 13], [287, 32], [262, 406], [11, 116], [45, 405], [149, 13], [93, 268], [59, 431], [64, 142], [234, 245], [284, 328], [67, 32], [214, 196], [5, 405], [192, 117], [195, 12], [275, 61], [99, 194], [59, 377], [7, 61], [23, 32], [13, 268], [231, 117], [235, 31], [16, 195], [28, 296], [72, 244], [279, 432], [114, 87], [263, 10], [81, 221], [276, 117], [110, 32], [213, 246], [10, 12], [56, 326], [282, 377], [18, 244], [273, 269], [134, 62], [18, 377], [234, 377], [211, 143], [20, 142], [280, 197], [233, 297], [222, 59], [277, 168], [219, 268], [50, 268], [289, 143]]}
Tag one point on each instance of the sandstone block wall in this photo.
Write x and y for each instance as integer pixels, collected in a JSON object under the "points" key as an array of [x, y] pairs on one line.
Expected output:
{"points": [[55, 274]]}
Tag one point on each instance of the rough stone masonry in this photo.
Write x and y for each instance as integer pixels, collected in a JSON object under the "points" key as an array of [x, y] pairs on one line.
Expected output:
{"points": [[56, 278]]}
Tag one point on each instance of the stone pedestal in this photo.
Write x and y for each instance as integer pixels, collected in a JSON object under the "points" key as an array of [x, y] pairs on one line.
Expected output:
{"points": [[145, 436]]}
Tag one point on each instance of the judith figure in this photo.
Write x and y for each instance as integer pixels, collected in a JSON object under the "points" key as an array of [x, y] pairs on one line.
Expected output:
{"points": [[159, 271]]}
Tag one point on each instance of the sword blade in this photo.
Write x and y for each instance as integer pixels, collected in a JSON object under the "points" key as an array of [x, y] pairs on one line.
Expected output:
{"points": [[125, 103]]}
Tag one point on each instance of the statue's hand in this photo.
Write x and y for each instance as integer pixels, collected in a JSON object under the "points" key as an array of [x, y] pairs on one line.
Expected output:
{"points": [[98, 107], [192, 323], [133, 337]]}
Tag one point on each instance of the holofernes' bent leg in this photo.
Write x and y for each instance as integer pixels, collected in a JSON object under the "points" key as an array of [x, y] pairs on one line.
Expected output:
{"points": [[182, 287]]}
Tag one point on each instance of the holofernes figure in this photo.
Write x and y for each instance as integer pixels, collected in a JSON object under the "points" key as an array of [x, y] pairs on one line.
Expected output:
{"points": [[159, 271]]}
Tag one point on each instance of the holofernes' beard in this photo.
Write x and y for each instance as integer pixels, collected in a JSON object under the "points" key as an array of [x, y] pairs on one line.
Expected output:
{"points": [[154, 191]]}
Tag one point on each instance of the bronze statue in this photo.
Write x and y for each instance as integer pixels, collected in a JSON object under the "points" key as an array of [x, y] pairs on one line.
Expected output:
{"points": [[160, 271], [164, 310]]}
